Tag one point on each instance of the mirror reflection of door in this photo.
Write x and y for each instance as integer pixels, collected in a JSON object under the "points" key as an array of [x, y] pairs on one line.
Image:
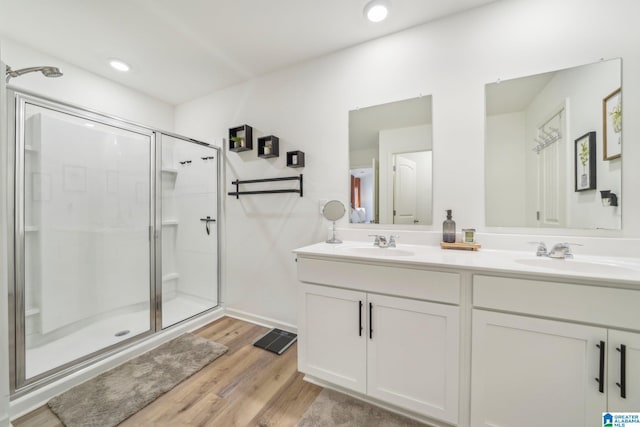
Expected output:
{"points": [[552, 185], [404, 190], [412, 180]]}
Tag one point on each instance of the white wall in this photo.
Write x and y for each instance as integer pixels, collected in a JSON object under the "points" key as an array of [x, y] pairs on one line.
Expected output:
{"points": [[505, 171], [85, 89], [452, 59]]}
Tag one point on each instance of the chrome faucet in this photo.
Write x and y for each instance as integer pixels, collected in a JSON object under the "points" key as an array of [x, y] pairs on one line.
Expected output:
{"points": [[558, 251], [382, 242], [561, 250]]}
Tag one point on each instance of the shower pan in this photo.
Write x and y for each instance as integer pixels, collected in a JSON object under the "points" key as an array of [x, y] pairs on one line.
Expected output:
{"points": [[109, 245]]}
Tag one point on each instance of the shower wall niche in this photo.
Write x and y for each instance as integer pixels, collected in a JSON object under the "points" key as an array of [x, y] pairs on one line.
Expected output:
{"points": [[109, 242]]}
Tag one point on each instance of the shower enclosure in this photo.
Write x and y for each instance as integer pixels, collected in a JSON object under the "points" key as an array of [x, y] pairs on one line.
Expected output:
{"points": [[115, 235]]}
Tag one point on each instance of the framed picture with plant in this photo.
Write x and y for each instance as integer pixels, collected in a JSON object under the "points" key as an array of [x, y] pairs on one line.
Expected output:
{"points": [[585, 162], [612, 125]]}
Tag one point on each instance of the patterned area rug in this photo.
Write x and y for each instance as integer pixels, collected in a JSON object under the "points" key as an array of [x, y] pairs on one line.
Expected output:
{"points": [[115, 395], [333, 409]]}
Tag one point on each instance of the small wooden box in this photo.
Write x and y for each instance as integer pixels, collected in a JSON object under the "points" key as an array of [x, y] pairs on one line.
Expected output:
{"points": [[461, 246]]}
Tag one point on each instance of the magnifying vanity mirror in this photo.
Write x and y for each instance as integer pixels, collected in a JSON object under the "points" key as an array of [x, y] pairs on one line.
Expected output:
{"points": [[333, 210], [390, 162], [553, 145]]}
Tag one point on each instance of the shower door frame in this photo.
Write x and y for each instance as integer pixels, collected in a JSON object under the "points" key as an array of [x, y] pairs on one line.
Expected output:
{"points": [[17, 100]]}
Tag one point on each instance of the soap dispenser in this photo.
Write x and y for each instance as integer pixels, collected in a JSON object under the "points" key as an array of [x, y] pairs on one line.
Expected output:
{"points": [[449, 229]]}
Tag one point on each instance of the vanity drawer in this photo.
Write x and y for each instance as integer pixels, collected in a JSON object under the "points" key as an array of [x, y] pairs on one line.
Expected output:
{"points": [[582, 303], [405, 282]]}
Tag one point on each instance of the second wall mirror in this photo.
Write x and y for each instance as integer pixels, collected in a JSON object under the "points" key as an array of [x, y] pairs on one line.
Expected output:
{"points": [[554, 149]]}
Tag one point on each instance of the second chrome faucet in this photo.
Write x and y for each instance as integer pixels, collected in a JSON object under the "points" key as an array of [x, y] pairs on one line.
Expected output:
{"points": [[559, 250]]}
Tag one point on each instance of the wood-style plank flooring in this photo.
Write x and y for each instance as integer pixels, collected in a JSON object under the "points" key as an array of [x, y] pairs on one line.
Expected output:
{"points": [[247, 386]]}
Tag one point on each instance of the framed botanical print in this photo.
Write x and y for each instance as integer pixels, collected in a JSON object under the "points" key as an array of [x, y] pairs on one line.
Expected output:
{"points": [[612, 125], [585, 162]]}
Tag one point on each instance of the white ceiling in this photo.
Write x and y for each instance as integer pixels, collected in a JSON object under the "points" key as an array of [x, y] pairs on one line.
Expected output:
{"points": [[180, 50]]}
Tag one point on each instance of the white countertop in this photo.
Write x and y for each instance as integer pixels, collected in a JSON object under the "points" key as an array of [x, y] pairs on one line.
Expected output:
{"points": [[604, 270]]}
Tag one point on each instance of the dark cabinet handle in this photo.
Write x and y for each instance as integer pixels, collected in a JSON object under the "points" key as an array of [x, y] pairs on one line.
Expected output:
{"points": [[370, 321], [600, 378], [360, 319], [623, 371]]}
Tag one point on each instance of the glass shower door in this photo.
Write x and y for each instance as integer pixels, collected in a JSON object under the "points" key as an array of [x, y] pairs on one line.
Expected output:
{"points": [[189, 238], [83, 219]]}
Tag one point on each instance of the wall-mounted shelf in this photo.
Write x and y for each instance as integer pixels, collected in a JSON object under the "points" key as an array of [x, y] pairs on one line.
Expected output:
{"points": [[245, 133], [30, 228], [268, 146], [169, 171], [238, 193], [295, 159], [169, 222]]}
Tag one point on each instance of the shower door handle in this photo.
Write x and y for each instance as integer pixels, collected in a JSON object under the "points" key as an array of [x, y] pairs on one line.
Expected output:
{"points": [[207, 220]]}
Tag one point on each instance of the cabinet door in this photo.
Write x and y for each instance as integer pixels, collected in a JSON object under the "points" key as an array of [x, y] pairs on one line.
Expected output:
{"points": [[631, 380], [413, 355], [332, 346], [528, 372]]}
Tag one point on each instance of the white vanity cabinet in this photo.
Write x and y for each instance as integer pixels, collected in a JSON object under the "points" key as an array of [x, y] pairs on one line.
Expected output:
{"points": [[528, 372], [623, 375], [368, 328], [531, 371], [412, 355], [332, 341]]}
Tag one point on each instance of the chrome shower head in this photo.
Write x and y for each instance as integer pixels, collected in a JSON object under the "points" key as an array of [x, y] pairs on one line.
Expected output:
{"points": [[51, 72], [47, 71]]}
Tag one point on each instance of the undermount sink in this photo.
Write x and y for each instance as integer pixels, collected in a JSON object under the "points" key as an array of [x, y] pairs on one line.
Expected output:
{"points": [[375, 251], [587, 267]]}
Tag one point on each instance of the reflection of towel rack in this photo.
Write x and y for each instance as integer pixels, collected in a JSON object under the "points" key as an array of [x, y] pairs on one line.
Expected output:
{"points": [[237, 183], [548, 134]]}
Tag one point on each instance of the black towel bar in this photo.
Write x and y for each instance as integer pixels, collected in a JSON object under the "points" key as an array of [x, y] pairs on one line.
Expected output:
{"points": [[237, 183]]}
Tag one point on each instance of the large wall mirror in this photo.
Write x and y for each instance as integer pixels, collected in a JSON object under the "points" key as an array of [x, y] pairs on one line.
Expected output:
{"points": [[553, 153], [390, 162]]}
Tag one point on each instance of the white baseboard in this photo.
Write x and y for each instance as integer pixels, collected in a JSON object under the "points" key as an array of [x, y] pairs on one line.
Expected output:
{"points": [[36, 398], [4, 422], [260, 320], [428, 421]]}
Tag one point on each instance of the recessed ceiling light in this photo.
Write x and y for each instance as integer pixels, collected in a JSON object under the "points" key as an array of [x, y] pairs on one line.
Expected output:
{"points": [[116, 64], [376, 10]]}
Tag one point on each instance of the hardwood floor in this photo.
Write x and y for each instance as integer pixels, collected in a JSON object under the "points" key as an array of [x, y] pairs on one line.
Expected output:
{"points": [[247, 386]]}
